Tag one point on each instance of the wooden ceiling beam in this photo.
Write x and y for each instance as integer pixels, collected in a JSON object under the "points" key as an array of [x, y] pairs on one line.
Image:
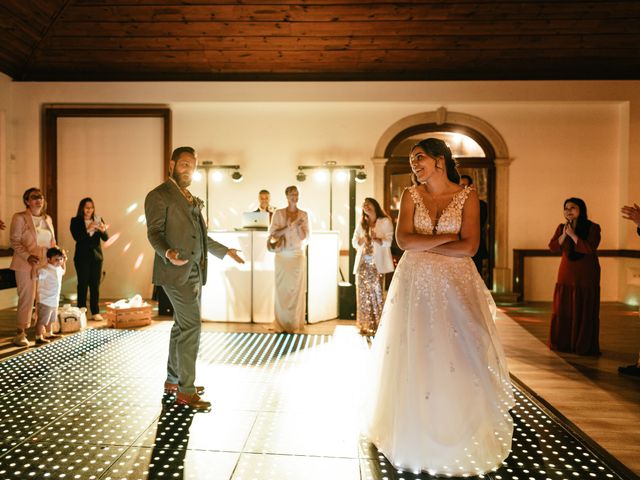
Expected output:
{"points": [[280, 12], [274, 55], [440, 67], [341, 29], [179, 43], [362, 3], [265, 60]]}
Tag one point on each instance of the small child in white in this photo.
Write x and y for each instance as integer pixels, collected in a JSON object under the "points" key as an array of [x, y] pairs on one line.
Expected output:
{"points": [[49, 285]]}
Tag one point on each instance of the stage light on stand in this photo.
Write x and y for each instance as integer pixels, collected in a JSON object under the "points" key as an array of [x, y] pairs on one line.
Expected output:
{"points": [[217, 176], [321, 175], [342, 175], [324, 172]]}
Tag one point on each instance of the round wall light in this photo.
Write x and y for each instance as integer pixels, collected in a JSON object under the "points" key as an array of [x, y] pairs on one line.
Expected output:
{"points": [[361, 176]]}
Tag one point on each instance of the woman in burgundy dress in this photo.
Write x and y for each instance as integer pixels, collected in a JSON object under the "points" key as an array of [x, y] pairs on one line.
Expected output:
{"points": [[575, 323]]}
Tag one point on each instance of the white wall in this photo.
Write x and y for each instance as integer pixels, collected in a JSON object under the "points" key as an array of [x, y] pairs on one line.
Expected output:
{"points": [[115, 161], [566, 138], [269, 141]]}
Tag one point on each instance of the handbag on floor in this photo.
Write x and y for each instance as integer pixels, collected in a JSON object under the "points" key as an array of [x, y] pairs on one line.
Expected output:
{"points": [[71, 319]]}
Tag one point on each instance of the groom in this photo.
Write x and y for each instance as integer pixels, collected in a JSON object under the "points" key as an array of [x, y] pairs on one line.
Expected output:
{"points": [[178, 234]]}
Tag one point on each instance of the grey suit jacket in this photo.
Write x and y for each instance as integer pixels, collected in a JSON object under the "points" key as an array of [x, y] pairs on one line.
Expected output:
{"points": [[170, 224]]}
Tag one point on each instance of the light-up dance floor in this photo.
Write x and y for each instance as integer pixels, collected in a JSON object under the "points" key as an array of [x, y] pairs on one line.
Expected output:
{"points": [[90, 406]]}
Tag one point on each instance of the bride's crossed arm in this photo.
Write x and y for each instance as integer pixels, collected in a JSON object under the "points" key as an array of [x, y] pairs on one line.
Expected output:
{"points": [[466, 245], [463, 245], [406, 235]]}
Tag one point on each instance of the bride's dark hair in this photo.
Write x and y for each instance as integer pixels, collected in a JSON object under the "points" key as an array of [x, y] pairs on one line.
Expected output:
{"points": [[434, 147]]}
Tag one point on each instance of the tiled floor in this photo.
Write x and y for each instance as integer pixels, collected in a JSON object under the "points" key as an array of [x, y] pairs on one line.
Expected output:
{"points": [[90, 406]]}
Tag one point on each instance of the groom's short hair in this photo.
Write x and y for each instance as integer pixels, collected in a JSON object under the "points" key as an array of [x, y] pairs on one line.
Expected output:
{"points": [[180, 150]]}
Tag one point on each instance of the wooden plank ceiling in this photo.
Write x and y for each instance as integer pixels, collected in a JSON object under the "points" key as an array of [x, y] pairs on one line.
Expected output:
{"points": [[319, 40]]}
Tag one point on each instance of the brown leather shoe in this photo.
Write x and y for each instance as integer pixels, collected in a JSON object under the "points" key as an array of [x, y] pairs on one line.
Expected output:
{"points": [[172, 389], [192, 400]]}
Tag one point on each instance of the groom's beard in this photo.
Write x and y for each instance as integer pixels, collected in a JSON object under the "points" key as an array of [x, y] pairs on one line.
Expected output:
{"points": [[183, 180]]}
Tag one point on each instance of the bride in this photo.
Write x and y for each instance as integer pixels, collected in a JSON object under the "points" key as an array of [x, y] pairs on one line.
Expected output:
{"points": [[441, 392]]}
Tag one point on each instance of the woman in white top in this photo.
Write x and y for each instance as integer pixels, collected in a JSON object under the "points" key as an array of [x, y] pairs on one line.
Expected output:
{"points": [[289, 232], [31, 235], [372, 239]]}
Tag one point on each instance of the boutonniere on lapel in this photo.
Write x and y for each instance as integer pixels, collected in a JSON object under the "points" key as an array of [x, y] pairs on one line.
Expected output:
{"points": [[198, 202]]}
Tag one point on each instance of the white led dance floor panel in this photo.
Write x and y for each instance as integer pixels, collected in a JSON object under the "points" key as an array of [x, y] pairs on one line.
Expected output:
{"points": [[90, 406]]}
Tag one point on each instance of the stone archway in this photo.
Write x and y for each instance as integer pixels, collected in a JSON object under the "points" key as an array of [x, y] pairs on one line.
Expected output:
{"points": [[501, 271]]}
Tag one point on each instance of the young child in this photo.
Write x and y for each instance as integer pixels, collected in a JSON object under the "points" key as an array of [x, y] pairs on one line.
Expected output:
{"points": [[49, 285]]}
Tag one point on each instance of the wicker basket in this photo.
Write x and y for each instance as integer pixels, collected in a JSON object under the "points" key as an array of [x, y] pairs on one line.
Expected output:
{"points": [[129, 317]]}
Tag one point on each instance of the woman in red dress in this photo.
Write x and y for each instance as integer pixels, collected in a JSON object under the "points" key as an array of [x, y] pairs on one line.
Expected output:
{"points": [[575, 323]]}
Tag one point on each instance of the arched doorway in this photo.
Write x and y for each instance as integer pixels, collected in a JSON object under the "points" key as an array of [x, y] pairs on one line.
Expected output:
{"points": [[488, 165]]}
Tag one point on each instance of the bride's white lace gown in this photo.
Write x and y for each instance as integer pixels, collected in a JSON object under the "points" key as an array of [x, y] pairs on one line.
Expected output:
{"points": [[441, 392]]}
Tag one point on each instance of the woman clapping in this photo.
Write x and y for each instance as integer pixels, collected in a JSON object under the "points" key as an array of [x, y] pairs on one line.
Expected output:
{"points": [[88, 229]]}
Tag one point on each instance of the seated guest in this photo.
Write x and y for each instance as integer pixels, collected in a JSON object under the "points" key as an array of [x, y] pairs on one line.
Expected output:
{"points": [[264, 199]]}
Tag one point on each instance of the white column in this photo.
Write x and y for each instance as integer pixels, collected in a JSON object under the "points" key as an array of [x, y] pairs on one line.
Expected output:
{"points": [[378, 178], [501, 271]]}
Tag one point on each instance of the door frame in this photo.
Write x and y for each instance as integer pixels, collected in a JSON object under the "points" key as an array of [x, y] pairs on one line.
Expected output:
{"points": [[50, 115]]}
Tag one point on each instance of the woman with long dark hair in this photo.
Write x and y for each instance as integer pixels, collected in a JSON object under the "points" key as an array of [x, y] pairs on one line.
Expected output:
{"points": [[575, 323], [88, 230], [440, 388], [372, 240]]}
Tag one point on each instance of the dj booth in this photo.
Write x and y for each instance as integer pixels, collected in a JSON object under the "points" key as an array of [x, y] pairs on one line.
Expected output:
{"points": [[245, 293]]}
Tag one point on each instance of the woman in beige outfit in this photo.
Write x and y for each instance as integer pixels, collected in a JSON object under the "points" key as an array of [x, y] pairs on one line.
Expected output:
{"points": [[31, 235], [290, 230]]}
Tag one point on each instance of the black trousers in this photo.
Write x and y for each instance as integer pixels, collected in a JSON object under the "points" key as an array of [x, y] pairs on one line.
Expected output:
{"points": [[89, 273], [478, 261]]}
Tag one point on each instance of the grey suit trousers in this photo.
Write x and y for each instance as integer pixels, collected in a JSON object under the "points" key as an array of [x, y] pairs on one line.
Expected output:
{"points": [[185, 333]]}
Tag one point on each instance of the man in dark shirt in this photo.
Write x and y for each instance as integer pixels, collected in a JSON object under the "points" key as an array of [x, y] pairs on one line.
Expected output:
{"points": [[482, 253], [264, 199]]}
